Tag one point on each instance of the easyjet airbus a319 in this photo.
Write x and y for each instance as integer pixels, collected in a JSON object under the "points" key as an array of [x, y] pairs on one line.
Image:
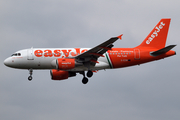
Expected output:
{"points": [[67, 62]]}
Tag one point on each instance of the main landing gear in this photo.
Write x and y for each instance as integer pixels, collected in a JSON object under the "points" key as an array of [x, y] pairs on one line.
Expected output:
{"points": [[30, 72], [89, 73], [85, 79]]}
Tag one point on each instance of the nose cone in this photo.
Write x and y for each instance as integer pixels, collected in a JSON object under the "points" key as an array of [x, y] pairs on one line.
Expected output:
{"points": [[8, 62]]}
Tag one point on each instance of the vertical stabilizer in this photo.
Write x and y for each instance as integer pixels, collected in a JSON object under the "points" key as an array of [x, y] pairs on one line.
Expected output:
{"points": [[157, 37]]}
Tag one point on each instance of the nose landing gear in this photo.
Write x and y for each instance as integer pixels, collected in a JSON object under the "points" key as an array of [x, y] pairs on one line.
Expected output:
{"points": [[30, 72], [30, 78]]}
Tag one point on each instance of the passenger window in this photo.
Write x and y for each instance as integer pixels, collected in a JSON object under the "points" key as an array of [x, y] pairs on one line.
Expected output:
{"points": [[19, 54]]}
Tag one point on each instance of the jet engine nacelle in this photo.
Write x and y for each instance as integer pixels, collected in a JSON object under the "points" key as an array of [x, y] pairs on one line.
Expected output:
{"points": [[61, 75], [65, 63]]}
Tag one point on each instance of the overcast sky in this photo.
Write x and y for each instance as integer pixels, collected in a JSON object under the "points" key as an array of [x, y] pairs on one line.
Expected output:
{"points": [[147, 92]]}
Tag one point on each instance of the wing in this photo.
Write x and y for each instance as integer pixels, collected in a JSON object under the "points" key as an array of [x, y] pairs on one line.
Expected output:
{"points": [[91, 56]]}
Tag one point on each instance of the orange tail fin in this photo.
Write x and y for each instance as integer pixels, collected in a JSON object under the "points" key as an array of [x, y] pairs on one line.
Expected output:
{"points": [[157, 37]]}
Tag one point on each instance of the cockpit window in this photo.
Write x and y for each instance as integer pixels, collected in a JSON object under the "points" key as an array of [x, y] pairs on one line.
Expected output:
{"points": [[16, 54]]}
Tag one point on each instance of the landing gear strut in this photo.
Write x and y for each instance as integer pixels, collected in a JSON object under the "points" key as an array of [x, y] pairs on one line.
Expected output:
{"points": [[30, 72]]}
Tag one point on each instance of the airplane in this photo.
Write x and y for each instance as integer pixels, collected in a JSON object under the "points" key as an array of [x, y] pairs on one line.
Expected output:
{"points": [[67, 62]]}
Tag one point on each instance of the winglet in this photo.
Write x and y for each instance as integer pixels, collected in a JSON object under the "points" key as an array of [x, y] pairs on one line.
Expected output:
{"points": [[120, 37]]}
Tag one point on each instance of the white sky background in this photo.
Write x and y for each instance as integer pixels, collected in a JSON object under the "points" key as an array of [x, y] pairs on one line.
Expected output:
{"points": [[146, 92]]}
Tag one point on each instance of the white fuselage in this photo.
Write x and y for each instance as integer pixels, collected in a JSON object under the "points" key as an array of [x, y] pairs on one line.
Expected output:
{"points": [[45, 58]]}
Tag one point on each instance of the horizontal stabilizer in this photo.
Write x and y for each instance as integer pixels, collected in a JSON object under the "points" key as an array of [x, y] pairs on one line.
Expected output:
{"points": [[162, 51]]}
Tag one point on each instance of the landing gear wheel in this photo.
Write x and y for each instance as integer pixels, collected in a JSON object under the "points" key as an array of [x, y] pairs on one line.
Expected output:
{"points": [[84, 80], [30, 78], [30, 72], [89, 73]]}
